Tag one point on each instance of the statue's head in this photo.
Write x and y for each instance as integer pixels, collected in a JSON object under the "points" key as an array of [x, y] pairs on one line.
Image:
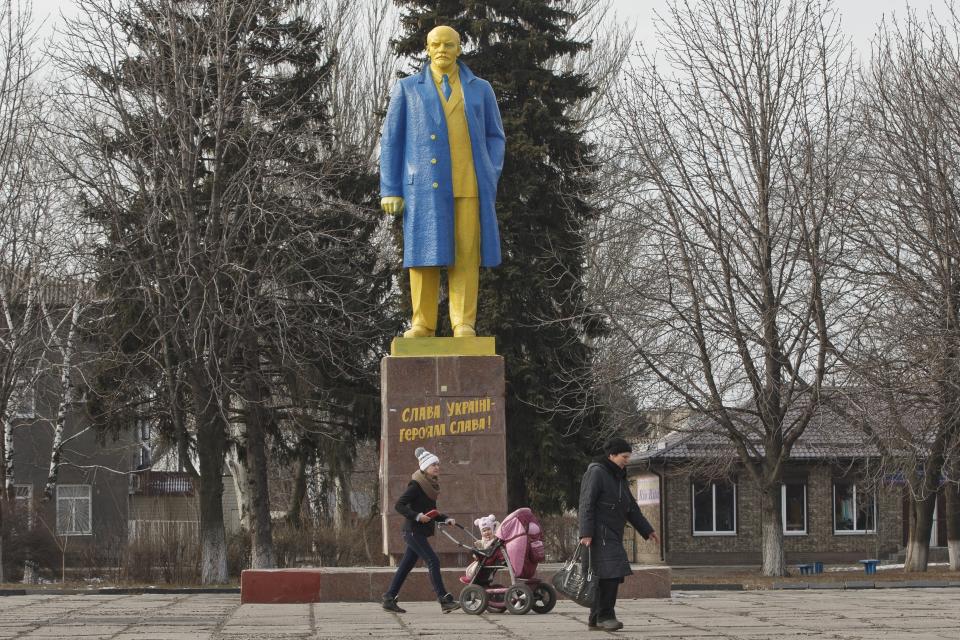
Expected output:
{"points": [[443, 47]]}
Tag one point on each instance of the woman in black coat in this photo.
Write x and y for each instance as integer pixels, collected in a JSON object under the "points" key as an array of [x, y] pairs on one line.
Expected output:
{"points": [[417, 501], [606, 505]]}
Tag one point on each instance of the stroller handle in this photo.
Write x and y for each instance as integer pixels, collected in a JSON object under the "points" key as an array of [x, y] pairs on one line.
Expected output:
{"points": [[443, 529]]}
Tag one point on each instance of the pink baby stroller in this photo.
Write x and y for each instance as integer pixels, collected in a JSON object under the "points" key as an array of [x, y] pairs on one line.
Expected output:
{"points": [[518, 548]]}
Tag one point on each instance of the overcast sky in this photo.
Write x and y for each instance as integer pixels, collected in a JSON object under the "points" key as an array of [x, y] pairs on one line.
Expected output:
{"points": [[859, 17]]}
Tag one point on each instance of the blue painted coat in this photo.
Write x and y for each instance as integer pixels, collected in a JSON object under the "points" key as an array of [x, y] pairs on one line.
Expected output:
{"points": [[414, 133]]}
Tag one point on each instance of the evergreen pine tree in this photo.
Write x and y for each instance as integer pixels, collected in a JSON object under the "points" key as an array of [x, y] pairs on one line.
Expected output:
{"points": [[533, 302]]}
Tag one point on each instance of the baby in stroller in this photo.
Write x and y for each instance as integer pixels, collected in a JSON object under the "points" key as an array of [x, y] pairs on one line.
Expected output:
{"points": [[488, 526]]}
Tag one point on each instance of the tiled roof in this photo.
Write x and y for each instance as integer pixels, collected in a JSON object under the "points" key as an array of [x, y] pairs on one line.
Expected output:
{"points": [[828, 435]]}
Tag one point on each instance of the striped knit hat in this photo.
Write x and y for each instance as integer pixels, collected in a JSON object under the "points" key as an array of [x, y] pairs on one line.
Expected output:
{"points": [[425, 458]]}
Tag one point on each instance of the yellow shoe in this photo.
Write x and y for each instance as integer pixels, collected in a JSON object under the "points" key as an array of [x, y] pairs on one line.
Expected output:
{"points": [[464, 331], [418, 331]]}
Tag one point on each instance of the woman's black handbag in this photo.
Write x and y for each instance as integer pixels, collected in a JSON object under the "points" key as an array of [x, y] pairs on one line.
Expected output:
{"points": [[576, 579]]}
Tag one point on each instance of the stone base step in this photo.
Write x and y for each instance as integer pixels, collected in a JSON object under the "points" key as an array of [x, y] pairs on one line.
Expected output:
{"points": [[367, 584]]}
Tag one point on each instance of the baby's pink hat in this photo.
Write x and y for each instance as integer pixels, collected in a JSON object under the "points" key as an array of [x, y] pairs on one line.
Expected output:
{"points": [[486, 522]]}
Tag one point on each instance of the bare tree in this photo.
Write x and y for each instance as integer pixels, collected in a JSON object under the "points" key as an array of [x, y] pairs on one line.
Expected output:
{"points": [[611, 39], [63, 341], [907, 266], [716, 280], [22, 221], [29, 233], [363, 66], [241, 283]]}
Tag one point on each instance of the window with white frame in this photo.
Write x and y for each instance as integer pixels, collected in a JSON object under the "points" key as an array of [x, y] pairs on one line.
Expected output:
{"points": [[714, 508], [73, 510], [854, 509], [793, 508]]}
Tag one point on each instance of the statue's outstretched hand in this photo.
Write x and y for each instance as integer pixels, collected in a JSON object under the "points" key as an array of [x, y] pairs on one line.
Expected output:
{"points": [[392, 204]]}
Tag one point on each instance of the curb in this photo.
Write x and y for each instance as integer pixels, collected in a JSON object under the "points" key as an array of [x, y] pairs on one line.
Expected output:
{"points": [[790, 585], [813, 586], [120, 591], [706, 587]]}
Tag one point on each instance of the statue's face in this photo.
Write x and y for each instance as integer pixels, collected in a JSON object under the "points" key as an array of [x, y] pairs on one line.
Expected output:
{"points": [[443, 47]]}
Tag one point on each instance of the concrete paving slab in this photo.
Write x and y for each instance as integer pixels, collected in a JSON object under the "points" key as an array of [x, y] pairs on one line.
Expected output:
{"points": [[162, 635], [80, 630], [875, 614], [59, 634]]}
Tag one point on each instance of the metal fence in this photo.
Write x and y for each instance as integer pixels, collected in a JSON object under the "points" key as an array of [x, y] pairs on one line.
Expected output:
{"points": [[162, 530]]}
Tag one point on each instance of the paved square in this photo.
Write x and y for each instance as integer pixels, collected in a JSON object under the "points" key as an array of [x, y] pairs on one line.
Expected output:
{"points": [[881, 614]]}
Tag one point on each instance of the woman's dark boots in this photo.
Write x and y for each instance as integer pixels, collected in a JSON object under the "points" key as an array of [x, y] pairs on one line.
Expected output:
{"points": [[448, 603], [390, 604], [609, 625]]}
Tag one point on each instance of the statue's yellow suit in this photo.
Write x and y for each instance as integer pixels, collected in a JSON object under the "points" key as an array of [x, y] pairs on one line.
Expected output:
{"points": [[429, 242]]}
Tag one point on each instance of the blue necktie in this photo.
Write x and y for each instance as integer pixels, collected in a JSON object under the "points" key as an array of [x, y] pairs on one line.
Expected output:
{"points": [[445, 87]]}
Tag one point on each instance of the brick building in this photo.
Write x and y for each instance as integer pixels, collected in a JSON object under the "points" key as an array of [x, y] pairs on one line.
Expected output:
{"points": [[835, 506]]}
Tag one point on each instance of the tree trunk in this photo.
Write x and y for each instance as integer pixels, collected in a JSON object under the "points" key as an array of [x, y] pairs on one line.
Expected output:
{"points": [[3, 507], [341, 509], [66, 400], [952, 490], [774, 558], [236, 463], [295, 510], [261, 556], [918, 547], [924, 498], [8, 479], [177, 411], [213, 538], [517, 490], [315, 497], [211, 443]]}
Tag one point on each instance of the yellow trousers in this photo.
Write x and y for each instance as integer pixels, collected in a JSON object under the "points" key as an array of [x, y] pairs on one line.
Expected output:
{"points": [[463, 277]]}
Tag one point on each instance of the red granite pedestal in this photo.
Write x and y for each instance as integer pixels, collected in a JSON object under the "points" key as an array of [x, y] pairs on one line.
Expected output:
{"points": [[453, 406], [367, 584]]}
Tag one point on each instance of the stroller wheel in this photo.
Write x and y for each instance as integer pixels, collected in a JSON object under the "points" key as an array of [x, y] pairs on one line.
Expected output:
{"points": [[544, 598], [473, 599], [519, 598]]}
